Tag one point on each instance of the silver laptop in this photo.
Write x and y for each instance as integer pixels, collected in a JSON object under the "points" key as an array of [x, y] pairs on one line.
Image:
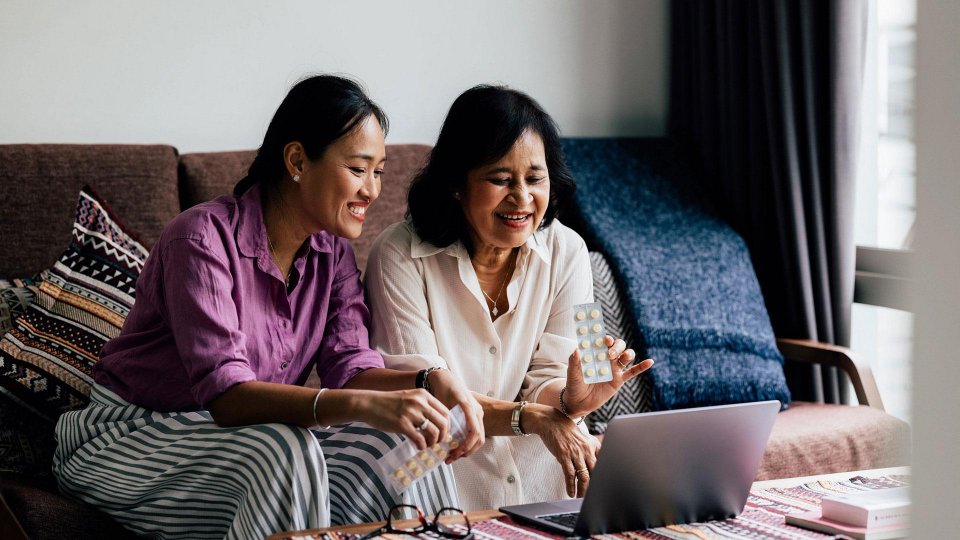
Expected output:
{"points": [[664, 468]]}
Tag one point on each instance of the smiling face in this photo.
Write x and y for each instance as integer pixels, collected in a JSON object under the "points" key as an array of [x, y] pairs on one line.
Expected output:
{"points": [[504, 201], [337, 189]]}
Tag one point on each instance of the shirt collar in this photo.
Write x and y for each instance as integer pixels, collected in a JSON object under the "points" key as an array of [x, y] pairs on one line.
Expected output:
{"points": [[252, 232], [420, 248]]}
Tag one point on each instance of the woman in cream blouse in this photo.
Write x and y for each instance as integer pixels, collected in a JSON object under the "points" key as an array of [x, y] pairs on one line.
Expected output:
{"points": [[481, 281]]}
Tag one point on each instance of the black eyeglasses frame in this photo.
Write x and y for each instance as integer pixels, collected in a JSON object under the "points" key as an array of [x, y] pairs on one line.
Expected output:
{"points": [[433, 525]]}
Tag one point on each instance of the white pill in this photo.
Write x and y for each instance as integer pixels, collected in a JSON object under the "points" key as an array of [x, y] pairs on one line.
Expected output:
{"points": [[604, 371], [587, 358], [599, 342], [590, 372], [594, 314], [582, 330], [597, 327], [581, 315]]}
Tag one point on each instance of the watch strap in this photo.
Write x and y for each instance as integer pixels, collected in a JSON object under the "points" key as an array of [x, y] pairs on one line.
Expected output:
{"points": [[515, 418]]}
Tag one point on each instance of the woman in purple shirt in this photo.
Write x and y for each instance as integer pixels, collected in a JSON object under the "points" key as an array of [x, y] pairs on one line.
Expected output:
{"points": [[199, 423]]}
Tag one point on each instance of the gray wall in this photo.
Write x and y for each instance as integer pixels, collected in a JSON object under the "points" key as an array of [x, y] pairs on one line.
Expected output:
{"points": [[208, 75]]}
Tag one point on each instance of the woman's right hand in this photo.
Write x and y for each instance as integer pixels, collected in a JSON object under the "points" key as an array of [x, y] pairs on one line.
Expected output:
{"points": [[414, 413], [574, 450]]}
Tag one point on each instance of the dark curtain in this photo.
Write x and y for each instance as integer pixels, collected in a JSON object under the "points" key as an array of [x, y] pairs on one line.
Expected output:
{"points": [[766, 94]]}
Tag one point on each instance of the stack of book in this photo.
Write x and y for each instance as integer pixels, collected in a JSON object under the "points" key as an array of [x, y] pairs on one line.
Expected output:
{"points": [[867, 515]]}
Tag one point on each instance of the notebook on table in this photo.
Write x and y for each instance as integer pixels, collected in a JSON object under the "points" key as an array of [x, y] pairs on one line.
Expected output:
{"points": [[663, 468]]}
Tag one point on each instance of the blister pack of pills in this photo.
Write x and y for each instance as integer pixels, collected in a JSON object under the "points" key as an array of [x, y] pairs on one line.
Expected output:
{"points": [[591, 342], [405, 464]]}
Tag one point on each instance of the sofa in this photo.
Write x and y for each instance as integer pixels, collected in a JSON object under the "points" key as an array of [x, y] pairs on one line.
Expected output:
{"points": [[145, 186]]}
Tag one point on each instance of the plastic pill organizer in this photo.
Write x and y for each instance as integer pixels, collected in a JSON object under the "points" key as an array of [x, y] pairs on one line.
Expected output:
{"points": [[591, 342], [405, 464]]}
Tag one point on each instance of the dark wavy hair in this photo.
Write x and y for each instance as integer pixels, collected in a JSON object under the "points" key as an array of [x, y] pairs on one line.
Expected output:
{"points": [[481, 127], [317, 111]]}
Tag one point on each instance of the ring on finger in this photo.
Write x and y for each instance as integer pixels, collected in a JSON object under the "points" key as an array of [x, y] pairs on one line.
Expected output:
{"points": [[583, 471], [423, 425]]}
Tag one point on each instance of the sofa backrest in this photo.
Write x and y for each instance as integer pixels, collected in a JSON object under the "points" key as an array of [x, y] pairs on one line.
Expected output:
{"points": [[40, 184], [146, 186], [204, 176]]}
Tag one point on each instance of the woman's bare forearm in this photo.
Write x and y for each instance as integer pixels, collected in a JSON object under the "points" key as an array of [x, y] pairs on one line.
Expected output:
{"points": [[382, 379], [258, 402]]}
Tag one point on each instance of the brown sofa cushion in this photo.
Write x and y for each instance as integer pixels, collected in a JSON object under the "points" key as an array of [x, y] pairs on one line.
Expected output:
{"points": [[205, 176], [138, 180], [814, 438]]}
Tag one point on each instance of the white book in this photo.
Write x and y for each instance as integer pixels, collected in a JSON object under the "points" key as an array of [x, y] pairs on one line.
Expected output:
{"points": [[875, 508]]}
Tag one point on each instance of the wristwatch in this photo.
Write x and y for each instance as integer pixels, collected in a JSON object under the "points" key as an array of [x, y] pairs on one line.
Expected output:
{"points": [[515, 419]]}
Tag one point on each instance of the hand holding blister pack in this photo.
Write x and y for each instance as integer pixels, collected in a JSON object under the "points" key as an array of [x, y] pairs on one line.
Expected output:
{"points": [[405, 464], [591, 336]]}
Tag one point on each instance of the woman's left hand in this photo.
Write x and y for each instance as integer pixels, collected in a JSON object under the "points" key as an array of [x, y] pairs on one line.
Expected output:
{"points": [[451, 391], [581, 398]]}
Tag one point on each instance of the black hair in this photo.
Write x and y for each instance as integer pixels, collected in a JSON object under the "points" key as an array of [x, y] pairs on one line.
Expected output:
{"points": [[317, 111], [482, 126]]}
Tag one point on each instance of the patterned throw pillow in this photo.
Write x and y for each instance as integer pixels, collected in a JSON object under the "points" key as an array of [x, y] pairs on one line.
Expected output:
{"points": [[16, 295], [635, 395], [46, 360]]}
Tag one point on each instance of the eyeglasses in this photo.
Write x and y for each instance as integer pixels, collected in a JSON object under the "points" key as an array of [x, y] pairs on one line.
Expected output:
{"points": [[455, 523]]}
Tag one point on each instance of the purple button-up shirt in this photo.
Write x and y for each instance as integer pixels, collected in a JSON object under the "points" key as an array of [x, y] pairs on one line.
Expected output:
{"points": [[212, 311]]}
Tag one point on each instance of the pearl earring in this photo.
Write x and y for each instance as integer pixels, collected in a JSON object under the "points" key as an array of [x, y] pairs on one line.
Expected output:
{"points": [[296, 178]]}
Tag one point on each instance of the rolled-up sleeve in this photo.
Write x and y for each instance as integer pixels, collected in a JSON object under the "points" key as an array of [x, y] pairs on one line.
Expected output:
{"points": [[550, 359], [197, 285], [345, 350]]}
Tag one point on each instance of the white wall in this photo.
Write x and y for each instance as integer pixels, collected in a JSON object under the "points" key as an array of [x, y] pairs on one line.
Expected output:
{"points": [[208, 75], [936, 401]]}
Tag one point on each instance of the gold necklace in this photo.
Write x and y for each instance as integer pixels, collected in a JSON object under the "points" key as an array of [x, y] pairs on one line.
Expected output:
{"points": [[494, 310], [276, 259], [273, 250]]}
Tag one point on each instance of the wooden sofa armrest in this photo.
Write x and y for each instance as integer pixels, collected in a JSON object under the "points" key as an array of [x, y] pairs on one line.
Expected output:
{"points": [[815, 352]]}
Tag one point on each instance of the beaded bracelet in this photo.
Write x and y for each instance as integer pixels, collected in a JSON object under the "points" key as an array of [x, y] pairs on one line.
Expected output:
{"points": [[564, 410], [425, 381]]}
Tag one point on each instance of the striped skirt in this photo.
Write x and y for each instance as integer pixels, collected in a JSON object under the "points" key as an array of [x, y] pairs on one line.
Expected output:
{"points": [[179, 475]]}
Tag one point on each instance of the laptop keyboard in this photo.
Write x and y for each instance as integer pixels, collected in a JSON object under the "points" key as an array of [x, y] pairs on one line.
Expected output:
{"points": [[568, 520]]}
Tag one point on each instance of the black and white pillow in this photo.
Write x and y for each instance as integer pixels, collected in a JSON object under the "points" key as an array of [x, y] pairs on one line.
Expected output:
{"points": [[635, 395], [47, 357]]}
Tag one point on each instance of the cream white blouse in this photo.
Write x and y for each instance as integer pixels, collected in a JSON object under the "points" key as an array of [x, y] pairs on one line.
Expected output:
{"points": [[428, 310]]}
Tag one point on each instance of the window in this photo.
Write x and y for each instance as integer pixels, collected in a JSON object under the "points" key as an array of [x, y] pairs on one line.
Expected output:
{"points": [[882, 329]]}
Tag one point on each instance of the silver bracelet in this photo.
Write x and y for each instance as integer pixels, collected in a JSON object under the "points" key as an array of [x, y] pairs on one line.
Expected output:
{"points": [[316, 423], [564, 410]]}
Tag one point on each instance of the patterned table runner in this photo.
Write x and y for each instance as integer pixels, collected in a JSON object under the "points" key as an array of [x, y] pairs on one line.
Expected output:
{"points": [[762, 518]]}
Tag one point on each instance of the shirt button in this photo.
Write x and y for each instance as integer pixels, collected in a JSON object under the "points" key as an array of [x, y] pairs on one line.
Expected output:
{"points": [[490, 393], [283, 365], [511, 479], [493, 350]]}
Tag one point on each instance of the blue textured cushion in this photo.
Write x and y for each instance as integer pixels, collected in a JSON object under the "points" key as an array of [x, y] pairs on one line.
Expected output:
{"points": [[686, 275]]}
